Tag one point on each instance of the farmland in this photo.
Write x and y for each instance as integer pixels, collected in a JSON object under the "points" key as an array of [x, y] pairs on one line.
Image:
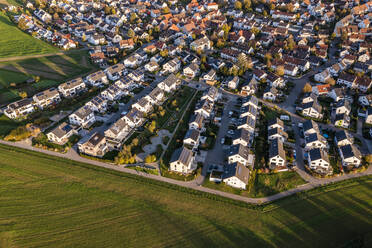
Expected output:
{"points": [[51, 70], [14, 42], [49, 201]]}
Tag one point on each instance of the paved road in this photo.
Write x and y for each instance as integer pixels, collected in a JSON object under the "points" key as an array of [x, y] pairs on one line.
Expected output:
{"points": [[192, 185]]}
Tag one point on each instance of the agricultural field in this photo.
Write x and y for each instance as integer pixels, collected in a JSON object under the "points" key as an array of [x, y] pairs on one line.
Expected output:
{"points": [[50, 201], [51, 70], [14, 42]]}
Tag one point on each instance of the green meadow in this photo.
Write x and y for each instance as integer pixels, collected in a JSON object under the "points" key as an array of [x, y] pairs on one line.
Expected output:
{"points": [[47, 201]]}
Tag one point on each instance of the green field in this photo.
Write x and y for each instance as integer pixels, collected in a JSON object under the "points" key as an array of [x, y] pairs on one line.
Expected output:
{"points": [[264, 184], [14, 42], [52, 202], [52, 71]]}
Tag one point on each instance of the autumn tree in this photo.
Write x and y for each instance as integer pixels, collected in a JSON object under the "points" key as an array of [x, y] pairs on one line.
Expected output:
{"points": [[131, 33], [238, 5], [330, 81], [280, 70], [307, 88]]}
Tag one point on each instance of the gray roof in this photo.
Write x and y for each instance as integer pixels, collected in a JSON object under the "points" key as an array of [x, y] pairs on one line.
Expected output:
{"points": [[317, 153], [61, 130], [238, 170], [309, 124], [241, 150], [182, 155], [192, 134], [350, 151], [83, 112], [276, 148]]}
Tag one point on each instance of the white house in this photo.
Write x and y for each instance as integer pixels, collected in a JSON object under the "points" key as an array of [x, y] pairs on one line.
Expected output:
{"points": [[318, 160], [61, 134], [236, 175], [350, 156], [19, 108], [83, 117], [47, 98], [277, 159], [72, 87], [182, 161]]}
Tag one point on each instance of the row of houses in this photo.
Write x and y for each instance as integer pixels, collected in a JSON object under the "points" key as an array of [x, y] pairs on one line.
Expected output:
{"points": [[183, 159], [118, 132]]}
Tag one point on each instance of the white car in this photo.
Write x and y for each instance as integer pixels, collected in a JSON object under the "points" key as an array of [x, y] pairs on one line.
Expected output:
{"points": [[223, 141]]}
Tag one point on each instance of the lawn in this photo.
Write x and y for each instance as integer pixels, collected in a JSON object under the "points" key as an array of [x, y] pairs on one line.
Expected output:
{"points": [[14, 42], [264, 184], [49, 201], [7, 125], [52, 71]]}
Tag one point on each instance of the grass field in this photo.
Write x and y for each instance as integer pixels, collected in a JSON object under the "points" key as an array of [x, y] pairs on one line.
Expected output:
{"points": [[52, 71], [48, 201], [264, 184], [14, 42]]}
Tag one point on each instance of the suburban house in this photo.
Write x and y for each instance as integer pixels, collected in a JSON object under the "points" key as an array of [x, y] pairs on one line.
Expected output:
{"points": [[319, 161], [112, 93], [61, 134], [275, 123], [239, 153], [211, 94], [156, 96], [342, 120], [204, 108], [192, 138], [277, 133], [233, 83], [83, 117], [315, 140], [242, 137], [201, 44], [270, 93], [337, 94], [47, 98], [343, 138], [236, 175], [169, 84], [19, 108], [72, 88], [249, 88], [248, 123], [97, 104], [347, 79], [115, 72], [211, 77], [197, 122], [191, 71], [171, 66], [310, 127], [343, 107], [134, 118], [322, 76], [350, 156], [183, 161], [312, 109], [97, 79], [277, 159], [116, 134], [143, 105], [94, 146]]}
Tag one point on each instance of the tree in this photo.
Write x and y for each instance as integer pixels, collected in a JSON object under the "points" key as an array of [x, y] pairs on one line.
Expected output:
{"points": [[164, 53], [330, 81], [165, 10], [238, 5], [150, 159], [22, 94], [132, 17], [247, 4], [131, 33], [280, 70], [369, 158], [152, 126], [244, 62], [307, 88]]}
